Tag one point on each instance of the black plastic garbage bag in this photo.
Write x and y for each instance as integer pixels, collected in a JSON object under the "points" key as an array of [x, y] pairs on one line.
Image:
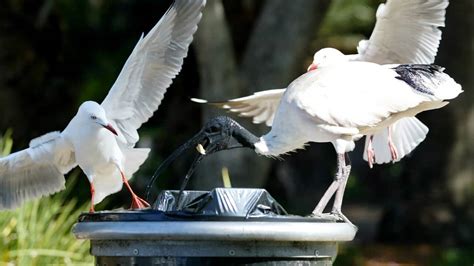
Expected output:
{"points": [[235, 202]]}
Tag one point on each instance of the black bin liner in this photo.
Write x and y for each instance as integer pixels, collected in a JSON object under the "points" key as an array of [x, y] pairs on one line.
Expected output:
{"points": [[234, 202], [220, 204]]}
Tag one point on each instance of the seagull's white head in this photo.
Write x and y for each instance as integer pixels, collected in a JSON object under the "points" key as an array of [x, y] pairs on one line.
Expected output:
{"points": [[93, 112], [326, 57]]}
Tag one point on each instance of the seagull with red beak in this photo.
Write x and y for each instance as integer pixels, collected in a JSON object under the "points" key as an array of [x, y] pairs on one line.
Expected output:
{"points": [[101, 138]]}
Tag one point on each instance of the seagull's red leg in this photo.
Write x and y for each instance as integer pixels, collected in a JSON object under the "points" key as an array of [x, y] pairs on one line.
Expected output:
{"points": [[137, 202], [370, 152], [391, 146], [92, 198]]}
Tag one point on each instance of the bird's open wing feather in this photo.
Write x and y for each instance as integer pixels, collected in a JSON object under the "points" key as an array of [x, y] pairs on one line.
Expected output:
{"points": [[150, 69], [36, 171], [405, 32], [353, 95], [261, 106]]}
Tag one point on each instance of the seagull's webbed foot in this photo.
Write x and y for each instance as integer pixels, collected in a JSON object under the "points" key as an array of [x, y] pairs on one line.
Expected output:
{"points": [[91, 209], [138, 203]]}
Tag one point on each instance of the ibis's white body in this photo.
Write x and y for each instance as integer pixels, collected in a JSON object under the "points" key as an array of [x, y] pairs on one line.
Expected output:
{"points": [[405, 32], [341, 102]]}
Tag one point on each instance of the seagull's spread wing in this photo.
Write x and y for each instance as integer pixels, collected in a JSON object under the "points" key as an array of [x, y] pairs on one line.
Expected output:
{"points": [[150, 69], [405, 32], [36, 171], [261, 106]]}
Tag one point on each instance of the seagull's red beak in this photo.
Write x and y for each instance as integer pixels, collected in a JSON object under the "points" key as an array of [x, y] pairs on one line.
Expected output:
{"points": [[111, 129], [312, 67]]}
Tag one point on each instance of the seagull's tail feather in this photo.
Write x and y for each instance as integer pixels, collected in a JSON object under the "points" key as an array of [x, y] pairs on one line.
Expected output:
{"points": [[110, 184], [105, 185], [407, 134]]}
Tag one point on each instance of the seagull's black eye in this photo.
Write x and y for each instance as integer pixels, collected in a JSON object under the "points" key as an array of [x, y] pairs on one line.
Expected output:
{"points": [[93, 117]]}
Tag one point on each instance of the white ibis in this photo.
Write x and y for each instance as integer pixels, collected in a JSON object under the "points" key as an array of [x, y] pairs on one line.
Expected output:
{"points": [[341, 101], [405, 32], [100, 138]]}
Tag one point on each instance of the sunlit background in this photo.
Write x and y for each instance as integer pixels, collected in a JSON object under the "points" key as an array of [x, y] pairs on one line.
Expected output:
{"points": [[54, 54]]}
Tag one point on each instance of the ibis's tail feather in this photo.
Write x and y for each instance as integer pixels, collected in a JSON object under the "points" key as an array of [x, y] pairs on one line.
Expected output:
{"points": [[407, 133], [429, 80]]}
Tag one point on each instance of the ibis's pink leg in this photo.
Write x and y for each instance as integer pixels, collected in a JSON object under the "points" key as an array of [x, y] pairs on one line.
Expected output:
{"points": [[336, 183], [370, 151], [391, 146], [137, 202], [92, 198], [337, 206]]}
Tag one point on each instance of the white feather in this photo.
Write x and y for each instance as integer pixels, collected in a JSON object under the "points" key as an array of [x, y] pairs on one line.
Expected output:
{"points": [[407, 134], [154, 63], [107, 184], [261, 105], [36, 171], [405, 32]]}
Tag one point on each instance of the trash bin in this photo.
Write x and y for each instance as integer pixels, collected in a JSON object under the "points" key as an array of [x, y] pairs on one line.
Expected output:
{"points": [[226, 226]]}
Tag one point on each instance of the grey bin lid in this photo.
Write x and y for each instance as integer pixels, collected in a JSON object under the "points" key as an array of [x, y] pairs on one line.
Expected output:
{"points": [[220, 204], [223, 214]]}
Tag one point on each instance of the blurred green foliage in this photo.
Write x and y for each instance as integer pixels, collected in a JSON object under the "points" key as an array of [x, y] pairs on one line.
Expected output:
{"points": [[39, 232], [6, 143]]}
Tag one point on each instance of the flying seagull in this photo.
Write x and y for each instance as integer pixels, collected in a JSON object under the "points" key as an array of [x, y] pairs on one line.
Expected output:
{"points": [[340, 102], [406, 32], [100, 138]]}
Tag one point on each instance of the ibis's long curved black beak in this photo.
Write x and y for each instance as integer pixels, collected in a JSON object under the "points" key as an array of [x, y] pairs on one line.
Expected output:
{"points": [[215, 136]]}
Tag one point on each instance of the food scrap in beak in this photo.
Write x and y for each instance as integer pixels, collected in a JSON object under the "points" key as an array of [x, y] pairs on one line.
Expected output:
{"points": [[201, 149]]}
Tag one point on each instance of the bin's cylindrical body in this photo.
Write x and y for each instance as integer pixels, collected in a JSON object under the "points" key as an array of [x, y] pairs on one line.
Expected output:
{"points": [[247, 242]]}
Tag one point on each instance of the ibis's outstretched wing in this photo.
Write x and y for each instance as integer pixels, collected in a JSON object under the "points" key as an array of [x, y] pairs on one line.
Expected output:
{"points": [[261, 106], [405, 32]]}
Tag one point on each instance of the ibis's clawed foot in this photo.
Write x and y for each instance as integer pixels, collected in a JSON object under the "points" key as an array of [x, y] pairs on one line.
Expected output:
{"points": [[325, 216], [370, 152], [391, 146], [333, 216], [341, 217], [393, 150], [336, 188]]}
